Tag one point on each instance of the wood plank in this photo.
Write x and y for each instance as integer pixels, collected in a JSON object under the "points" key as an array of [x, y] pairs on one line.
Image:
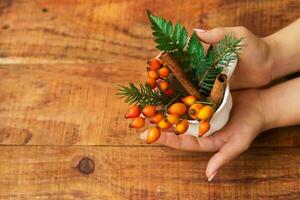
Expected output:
{"points": [[77, 105], [145, 173], [64, 31]]}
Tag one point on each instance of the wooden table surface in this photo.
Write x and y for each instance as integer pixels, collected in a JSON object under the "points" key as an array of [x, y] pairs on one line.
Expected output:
{"points": [[62, 133]]}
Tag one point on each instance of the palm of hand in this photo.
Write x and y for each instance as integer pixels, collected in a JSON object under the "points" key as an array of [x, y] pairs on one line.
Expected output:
{"points": [[232, 140]]}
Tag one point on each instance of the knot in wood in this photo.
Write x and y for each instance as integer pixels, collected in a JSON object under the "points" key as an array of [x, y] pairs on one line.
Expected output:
{"points": [[86, 165]]}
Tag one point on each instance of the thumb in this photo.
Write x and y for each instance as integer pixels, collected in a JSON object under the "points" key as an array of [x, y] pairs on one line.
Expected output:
{"points": [[227, 153], [214, 36]]}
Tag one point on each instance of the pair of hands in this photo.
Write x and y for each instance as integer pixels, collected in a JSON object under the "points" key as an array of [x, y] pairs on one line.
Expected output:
{"points": [[250, 114]]}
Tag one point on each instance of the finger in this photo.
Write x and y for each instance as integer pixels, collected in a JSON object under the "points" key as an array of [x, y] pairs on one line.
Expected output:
{"points": [[227, 153], [214, 36], [190, 143]]}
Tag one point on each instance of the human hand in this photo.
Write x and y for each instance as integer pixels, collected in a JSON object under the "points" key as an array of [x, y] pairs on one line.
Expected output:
{"points": [[246, 122], [255, 60], [254, 111]]}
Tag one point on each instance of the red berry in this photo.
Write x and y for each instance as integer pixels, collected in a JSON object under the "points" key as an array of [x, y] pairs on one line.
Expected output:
{"points": [[169, 92], [173, 118], [163, 72], [153, 135], [153, 74], [164, 124], [137, 122], [151, 82], [156, 118], [149, 111], [177, 108], [163, 85], [133, 112], [189, 100], [182, 127], [204, 126], [155, 64]]}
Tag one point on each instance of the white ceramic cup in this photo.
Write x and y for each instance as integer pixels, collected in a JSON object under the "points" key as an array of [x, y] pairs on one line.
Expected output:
{"points": [[221, 116]]}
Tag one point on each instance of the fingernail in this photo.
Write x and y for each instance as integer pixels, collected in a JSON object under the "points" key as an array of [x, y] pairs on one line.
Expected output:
{"points": [[143, 135], [212, 176], [198, 30]]}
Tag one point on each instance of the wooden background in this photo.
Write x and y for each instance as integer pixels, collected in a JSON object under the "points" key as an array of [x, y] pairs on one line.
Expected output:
{"points": [[62, 133]]}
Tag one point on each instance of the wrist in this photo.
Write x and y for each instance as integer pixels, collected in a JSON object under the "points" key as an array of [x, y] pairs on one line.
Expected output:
{"points": [[268, 110], [271, 43]]}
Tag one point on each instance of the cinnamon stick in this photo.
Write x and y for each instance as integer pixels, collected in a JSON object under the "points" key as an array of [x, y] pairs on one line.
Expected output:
{"points": [[218, 89], [167, 59]]}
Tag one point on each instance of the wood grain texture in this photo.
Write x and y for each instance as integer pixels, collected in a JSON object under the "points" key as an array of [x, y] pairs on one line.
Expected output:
{"points": [[62, 134], [64, 31], [155, 173]]}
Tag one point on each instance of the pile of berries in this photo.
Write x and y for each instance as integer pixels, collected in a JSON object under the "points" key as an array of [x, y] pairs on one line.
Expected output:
{"points": [[178, 113], [157, 77], [176, 118]]}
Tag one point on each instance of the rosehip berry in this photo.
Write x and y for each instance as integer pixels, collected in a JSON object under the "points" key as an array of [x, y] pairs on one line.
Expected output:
{"points": [[182, 127], [194, 110], [204, 126], [153, 74], [173, 118], [169, 92], [137, 122], [153, 135], [154, 64], [163, 85], [149, 111], [205, 113], [133, 112], [151, 82], [163, 72], [189, 100], [177, 108], [164, 124], [156, 118]]}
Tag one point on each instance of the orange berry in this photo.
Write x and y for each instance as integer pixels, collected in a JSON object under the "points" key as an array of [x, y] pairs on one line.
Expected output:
{"points": [[149, 111], [205, 113], [133, 112], [151, 82], [173, 118], [177, 108], [182, 127], [153, 135], [189, 100], [164, 124], [157, 118], [169, 92], [194, 110], [163, 85], [153, 74], [137, 122], [204, 126], [154, 64], [163, 72]]}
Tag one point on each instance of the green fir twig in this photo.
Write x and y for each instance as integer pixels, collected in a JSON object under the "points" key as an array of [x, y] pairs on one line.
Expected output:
{"points": [[142, 96]]}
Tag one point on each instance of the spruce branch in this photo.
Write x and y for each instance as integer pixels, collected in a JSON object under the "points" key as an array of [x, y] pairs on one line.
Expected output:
{"points": [[224, 52], [200, 68], [142, 96], [207, 79]]}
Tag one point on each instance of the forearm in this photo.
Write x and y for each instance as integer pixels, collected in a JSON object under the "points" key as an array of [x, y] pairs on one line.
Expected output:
{"points": [[281, 104], [285, 50]]}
